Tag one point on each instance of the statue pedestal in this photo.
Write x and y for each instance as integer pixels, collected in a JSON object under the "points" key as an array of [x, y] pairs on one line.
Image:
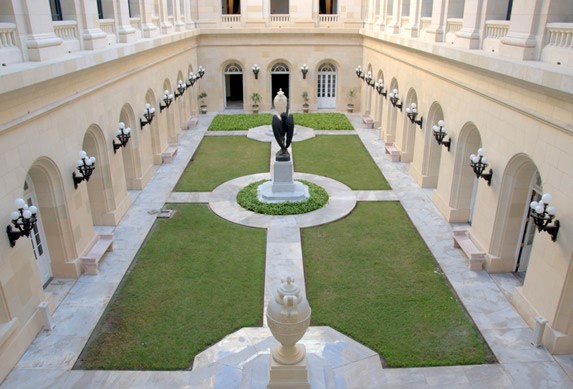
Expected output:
{"points": [[282, 188], [288, 376]]}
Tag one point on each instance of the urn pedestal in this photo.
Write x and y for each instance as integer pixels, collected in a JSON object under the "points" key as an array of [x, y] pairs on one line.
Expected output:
{"points": [[288, 317]]}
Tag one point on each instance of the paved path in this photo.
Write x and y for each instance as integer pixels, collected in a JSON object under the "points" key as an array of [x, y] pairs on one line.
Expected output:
{"points": [[240, 359]]}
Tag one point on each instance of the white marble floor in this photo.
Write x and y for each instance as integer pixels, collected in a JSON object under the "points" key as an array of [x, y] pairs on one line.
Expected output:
{"points": [[240, 359]]}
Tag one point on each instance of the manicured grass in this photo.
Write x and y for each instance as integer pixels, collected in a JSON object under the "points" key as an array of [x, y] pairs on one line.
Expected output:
{"points": [[220, 159], [248, 199], [341, 157], [371, 276], [239, 122], [196, 279], [318, 121]]}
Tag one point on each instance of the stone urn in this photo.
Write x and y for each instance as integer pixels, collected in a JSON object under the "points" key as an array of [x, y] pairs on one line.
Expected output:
{"points": [[288, 317]]}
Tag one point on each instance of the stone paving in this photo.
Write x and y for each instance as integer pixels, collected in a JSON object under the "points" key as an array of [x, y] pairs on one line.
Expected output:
{"points": [[240, 360]]}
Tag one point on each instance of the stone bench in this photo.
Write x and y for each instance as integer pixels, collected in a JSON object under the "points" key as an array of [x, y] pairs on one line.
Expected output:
{"points": [[368, 121], [168, 154], [393, 151], [475, 256], [90, 260], [193, 122]]}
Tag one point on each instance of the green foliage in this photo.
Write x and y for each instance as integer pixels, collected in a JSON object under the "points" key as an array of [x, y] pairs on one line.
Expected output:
{"points": [[318, 121], [247, 198], [181, 295], [323, 121], [255, 98], [371, 276], [305, 97], [240, 122], [222, 158], [341, 157]]}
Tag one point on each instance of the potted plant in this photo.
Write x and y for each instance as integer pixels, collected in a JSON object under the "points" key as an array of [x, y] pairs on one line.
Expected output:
{"points": [[351, 96], [201, 97], [305, 104], [256, 99]]}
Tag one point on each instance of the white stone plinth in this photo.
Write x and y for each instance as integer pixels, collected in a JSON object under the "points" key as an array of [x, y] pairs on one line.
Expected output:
{"points": [[282, 188], [288, 376]]}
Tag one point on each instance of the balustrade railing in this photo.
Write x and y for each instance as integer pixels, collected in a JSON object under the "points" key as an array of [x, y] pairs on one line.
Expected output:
{"points": [[107, 26], [230, 19], [280, 18], [560, 35], [425, 23], [66, 29], [7, 35], [454, 25], [496, 29], [135, 23], [328, 18]]}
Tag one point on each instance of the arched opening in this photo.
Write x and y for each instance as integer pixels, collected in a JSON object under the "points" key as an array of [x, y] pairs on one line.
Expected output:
{"points": [[45, 187], [368, 103], [465, 182], [408, 129], [392, 117], [280, 79], [326, 86], [380, 103], [131, 161], [233, 86], [520, 184], [154, 128], [181, 107], [169, 116]]}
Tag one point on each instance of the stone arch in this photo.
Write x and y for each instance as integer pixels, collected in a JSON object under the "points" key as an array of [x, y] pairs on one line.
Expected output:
{"points": [[432, 150], [130, 157], [280, 70], [392, 116], [192, 95], [513, 203], [155, 135], [233, 83], [380, 101], [181, 106], [168, 122], [408, 128], [53, 207], [99, 186], [464, 180]]}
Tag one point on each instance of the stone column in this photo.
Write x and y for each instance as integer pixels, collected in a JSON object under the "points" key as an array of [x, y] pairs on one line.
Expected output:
{"points": [[520, 42], [148, 27], [469, 36], [436, 32], [42, 42], [381, 23], [93, 37], [126, 32]]}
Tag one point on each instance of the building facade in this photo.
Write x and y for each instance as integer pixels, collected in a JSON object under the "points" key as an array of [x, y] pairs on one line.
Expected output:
{"points": [[496, 75]]}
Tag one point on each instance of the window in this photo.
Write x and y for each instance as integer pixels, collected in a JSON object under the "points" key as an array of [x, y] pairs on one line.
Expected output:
{"points": [[56, 10], [99, 9]]}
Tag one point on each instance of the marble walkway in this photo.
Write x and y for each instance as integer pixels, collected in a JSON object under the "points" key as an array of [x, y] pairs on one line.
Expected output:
{"points": [[335, 361]]}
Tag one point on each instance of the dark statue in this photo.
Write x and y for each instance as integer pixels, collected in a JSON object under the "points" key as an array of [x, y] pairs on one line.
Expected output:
{"points": [[283, 128]]}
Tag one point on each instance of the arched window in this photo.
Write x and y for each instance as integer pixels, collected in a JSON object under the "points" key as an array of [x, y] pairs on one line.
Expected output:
{"points": [[279, 67], [233, 67]]}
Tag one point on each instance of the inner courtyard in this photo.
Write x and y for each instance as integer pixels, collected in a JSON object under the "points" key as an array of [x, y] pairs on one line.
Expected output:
{"points": [[465, 107]]}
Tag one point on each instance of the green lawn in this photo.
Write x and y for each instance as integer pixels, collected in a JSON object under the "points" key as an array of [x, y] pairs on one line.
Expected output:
{"points": [[341, 157], [196, 279], [372, 277], [243, 122], [220, 159]]}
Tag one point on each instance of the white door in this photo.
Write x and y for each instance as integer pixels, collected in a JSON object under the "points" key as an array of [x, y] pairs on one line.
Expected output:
{"points": [[38, 237], [528, 233], [326, 88]]}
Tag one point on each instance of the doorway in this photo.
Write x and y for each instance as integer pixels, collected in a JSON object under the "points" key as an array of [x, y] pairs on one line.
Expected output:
{"points": [[233, 86], [528, 228], [43, 260], [326, 87], [280, 79]]}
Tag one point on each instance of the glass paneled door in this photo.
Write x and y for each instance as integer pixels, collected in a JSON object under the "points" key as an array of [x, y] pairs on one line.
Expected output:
{"points": [[326, 87]]}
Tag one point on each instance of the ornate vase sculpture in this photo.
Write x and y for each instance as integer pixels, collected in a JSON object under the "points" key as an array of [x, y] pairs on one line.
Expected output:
{"points": [[288, 317]]}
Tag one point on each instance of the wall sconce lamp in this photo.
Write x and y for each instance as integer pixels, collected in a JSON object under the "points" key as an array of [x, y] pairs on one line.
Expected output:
{"points": [[24, 219], [256, 70], [412, 112], [201, 71], [394, 97], [191, 80], [379, 86], [368, 79], [440, 133], [479, 163], [123, 134], [542, 214], [167, 100], [86, 166], [180, 88], [359, 72], [304, 70], [148, 115]]}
